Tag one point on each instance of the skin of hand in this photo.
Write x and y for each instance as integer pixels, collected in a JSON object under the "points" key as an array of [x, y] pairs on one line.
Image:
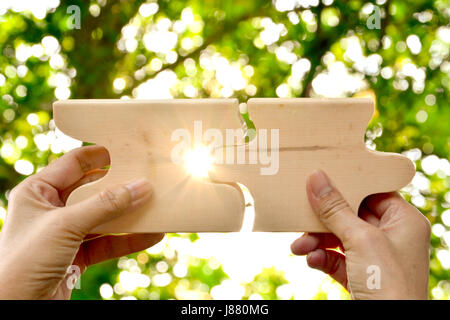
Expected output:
{"points": [[384, 250], [42, 238]]}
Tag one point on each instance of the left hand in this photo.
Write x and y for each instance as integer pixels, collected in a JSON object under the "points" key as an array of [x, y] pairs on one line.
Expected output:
{"points": [[42, 238]]}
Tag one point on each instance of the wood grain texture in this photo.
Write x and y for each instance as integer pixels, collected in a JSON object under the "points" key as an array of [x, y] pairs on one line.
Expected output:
{"points": [[137, 134], [313, 133], [325, 134]]}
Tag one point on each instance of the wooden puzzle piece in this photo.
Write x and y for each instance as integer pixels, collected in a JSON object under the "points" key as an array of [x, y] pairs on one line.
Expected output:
{"points": [[139, 136], [325, 134], [302, 135]]}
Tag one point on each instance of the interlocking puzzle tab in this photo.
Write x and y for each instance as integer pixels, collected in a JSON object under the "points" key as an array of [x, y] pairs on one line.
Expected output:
{"points": [[325, 134], [293, 137], [139, 137]]}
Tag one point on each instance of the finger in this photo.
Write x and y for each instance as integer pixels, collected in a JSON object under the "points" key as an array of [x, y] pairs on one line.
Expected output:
{"points": [[72, 166], [311, 241], [332, 209], [305, 244], [107, 205], [88, 177], [110, 247], [380, 203], [368, 216], [331, 262]]}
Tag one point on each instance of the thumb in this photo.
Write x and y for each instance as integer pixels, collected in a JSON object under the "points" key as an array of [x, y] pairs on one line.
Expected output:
{"points": [[107, 205], [332, 209]]}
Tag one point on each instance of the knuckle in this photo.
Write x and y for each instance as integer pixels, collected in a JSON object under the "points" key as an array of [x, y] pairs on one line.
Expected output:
{"points": [[353, 237], [361, 236], [83, 163], [113, 201], [423, 224], [21, 189], [393, 208], [331, 205], [15, 192], [416, 218], [71, 228], [35, 186]]}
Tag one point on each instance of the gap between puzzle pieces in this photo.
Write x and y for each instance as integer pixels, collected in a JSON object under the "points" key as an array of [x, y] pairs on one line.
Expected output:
{"points": [[293, 137]]}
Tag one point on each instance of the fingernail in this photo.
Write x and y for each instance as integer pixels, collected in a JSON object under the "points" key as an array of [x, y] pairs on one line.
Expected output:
{"points": [[296, 246], [310, 255], [320, 184], [139, 189]]}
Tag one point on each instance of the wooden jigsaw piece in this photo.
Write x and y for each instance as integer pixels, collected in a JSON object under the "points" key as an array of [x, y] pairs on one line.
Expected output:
{"points": [[303, 134], [139, 137], [313, 134]]}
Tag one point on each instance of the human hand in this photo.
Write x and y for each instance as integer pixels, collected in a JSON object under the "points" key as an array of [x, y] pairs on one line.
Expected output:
{"points": [[42, 238], [386, 248]]}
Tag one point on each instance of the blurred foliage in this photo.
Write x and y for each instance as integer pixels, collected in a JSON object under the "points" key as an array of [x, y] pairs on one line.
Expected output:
{"points": [[133, 274], [230, 48]]}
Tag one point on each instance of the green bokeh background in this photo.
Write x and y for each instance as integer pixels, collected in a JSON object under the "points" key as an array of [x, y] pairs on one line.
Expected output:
{"points": [[412, 108]]}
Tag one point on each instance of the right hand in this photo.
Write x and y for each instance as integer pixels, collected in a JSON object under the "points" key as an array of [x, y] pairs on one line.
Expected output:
{"points": [[389, 242]]}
